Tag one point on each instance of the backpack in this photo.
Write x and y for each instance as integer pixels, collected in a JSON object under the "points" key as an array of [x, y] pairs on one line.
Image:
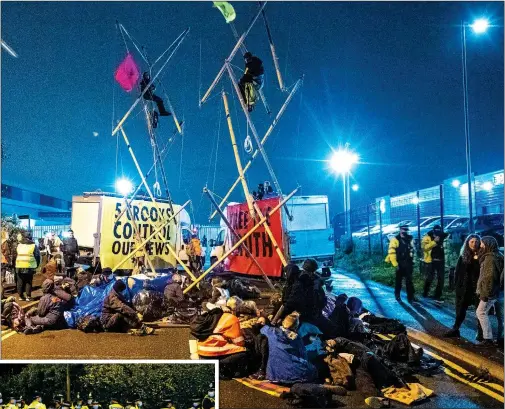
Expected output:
{"points": [[202, 326]]}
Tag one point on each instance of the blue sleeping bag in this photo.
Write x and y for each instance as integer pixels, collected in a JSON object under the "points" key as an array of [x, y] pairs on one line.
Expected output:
{"points": [[287, 358], [90, 300]]}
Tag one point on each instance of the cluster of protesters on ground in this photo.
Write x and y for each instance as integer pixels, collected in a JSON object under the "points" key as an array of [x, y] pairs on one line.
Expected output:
{"points": [[208, 402]]}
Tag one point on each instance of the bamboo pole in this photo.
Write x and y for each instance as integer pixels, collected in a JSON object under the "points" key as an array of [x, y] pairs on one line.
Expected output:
{"points": [[156, 231], [155, 203], [230, 57], [243, 239], [256, 137], [141, 183], [272, 238], [263, 141], [248, 197], [237, 236], [272, 50], [125, 117], [135, 228]]}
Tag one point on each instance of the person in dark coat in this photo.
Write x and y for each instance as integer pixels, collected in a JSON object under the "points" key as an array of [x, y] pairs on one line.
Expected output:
{"points": [[466, 275], [118, 314], [174, 297], [70, 250], [307, 297], [151, 96], [490, 289], [253, 74], [49, 313]]}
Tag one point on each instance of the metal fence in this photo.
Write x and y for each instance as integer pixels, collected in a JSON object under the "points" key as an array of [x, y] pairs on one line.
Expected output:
{"points": [[373, 225], [39, 232]]}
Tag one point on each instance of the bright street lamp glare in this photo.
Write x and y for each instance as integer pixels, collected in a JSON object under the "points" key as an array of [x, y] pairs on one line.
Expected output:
{"points": [[415, 201], [342, 161], [480, 26], [456, 183], [124, 186], [355, 187], [488, 186]]}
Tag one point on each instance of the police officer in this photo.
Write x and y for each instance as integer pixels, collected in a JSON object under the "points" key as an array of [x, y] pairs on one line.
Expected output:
{"points": [[209, 401], [401, 256], [196, 404], [89, 402], [21, 403], [11, 404], [95, 404], [1, 402], [37, 403], [167, 404], [65, 405], [138, 402], [129, 404], [114, 404], [79, 404]]}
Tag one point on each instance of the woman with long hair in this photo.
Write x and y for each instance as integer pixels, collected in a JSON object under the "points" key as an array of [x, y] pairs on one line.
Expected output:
{"points": [[466, 277], [490, 289]]}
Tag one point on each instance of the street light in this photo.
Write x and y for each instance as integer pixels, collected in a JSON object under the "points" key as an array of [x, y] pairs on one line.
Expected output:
{"points": [[479, 26], [456, 183], [124, 186], [342, 162], [355, 187]]}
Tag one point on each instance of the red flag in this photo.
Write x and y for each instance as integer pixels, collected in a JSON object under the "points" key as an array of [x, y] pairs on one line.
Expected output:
{"points": [[127, 73]]}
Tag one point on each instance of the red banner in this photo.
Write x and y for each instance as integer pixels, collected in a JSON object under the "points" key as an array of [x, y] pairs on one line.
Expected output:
{"points": [[259, 242]]}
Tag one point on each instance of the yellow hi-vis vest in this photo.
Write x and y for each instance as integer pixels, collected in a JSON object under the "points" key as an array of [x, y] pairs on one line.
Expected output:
{"points": [[36, 405], [25, 257], [115, 406]]}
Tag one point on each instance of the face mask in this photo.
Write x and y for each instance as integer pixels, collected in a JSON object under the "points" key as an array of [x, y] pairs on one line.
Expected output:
{"points": [[195, 405], [95, 406], [90, 402], [1, 400], [211, 394], [139, 404], [19, 405]]}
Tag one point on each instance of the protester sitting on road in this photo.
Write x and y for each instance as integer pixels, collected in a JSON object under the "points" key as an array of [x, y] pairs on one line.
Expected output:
{"points": [[27, 261], [307, 296], [466, 276], [434, 261], [53, 267], [401, 256], [490, 289], [119, 316], [219, 294], [68, 284], [49, 313], [174, 297], [287, 357], [226, 344]]}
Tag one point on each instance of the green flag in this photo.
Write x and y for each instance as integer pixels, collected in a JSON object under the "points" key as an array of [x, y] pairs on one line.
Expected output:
{"points": [[226, 10]]}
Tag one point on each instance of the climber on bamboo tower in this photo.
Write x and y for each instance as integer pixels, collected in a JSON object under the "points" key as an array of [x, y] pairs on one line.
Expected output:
{"points": [[151, 96], [252, 80]]}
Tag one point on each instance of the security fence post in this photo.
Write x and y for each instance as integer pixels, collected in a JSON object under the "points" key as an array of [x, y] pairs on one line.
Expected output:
{"points": [[442, 206], [368, 229], [380, 226], [418, 209]]}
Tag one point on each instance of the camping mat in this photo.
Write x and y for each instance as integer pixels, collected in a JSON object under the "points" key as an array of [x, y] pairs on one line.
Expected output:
{"points": [[263, 386]]}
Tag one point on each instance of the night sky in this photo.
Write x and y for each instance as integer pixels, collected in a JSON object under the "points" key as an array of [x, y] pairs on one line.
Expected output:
{"points": [[386, 77]]}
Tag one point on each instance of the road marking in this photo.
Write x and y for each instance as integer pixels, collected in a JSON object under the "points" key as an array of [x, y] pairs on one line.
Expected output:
{"points": [[9, 334], [462, 371]]}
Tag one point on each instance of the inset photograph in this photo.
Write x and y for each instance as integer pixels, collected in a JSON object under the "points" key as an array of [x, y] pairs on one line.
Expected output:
{"points": [[108, 386]]}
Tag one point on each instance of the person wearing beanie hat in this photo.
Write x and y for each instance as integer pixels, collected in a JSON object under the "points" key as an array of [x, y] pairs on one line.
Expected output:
{"points": [[401, 256], [118, 314], [434, 261], [307, 297]]}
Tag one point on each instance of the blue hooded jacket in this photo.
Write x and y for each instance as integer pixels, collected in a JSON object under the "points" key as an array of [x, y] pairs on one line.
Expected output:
{"points": [[287, 358]]}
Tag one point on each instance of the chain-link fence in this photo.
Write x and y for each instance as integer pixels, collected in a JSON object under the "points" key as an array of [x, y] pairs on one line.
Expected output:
{"points": [[373, 225]]}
